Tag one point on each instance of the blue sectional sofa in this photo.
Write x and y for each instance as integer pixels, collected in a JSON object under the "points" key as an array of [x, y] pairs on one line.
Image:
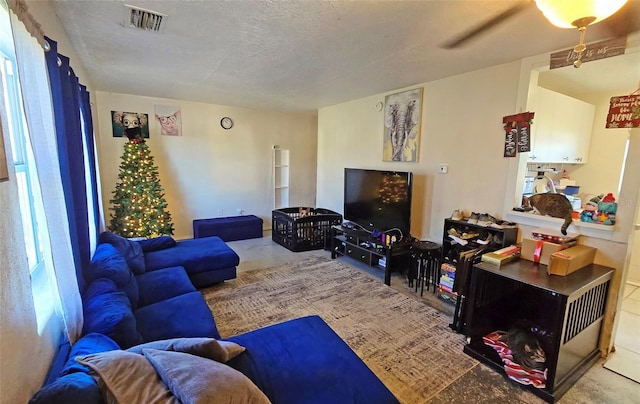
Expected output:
{"points": [[207, 260], [129, 303]]}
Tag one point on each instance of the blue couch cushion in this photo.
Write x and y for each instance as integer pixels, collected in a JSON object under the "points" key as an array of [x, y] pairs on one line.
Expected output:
{"points": [[107, 310], [163, 284], [305, 361], [204, 279], [88, 344], [182, 316], [108, 263], [73, 388], [130, 250], [157, 243], [195, 255]]}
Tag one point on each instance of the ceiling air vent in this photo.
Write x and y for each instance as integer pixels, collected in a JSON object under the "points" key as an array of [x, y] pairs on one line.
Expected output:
{"points": [[144, 19]]}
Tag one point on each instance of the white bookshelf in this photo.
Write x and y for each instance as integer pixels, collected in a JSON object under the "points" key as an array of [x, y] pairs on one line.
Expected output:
{"points": [[281, 178]]}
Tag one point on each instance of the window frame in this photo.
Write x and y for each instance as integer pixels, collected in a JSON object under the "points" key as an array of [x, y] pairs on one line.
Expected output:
{"points": [[23, 163], [30, 198]]}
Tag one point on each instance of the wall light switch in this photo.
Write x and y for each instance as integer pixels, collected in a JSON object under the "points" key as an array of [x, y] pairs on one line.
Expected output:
{"points": [[444, 168]]}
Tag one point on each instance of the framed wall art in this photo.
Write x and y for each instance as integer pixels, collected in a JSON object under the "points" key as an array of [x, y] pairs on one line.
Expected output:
{"points": [[402, 121], [130, 124], [168, 120]]}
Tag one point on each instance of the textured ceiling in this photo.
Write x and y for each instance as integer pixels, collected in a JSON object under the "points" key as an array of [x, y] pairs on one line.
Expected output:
{"points": [[297, 55]]}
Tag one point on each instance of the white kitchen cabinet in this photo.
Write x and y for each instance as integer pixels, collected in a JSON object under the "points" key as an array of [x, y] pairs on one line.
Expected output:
{"points": [[561, 130]]}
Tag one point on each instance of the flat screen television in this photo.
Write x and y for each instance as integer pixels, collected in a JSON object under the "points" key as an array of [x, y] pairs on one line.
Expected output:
{"points": [[378, 200]]}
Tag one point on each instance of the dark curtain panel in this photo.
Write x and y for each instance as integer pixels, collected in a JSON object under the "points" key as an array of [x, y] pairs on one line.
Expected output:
{"points": [[68, 97], [85, 107]]}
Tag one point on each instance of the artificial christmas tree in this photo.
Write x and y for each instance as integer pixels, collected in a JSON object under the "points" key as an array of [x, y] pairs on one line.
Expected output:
{"points": [[138, 200]]}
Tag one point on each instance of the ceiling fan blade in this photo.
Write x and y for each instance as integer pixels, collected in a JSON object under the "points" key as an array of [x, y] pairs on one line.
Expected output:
{"points": [[625, 21], [487, 25]]}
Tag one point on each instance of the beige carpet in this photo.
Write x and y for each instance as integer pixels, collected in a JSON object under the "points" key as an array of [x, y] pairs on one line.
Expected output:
{"points": [[407, 344]]}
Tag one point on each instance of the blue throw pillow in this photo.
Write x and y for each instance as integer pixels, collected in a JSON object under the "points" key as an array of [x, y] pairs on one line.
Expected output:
{"points": [[107, 310], [88, 344], [108, 263], [157, 243], [73, 388], [130, 250]]}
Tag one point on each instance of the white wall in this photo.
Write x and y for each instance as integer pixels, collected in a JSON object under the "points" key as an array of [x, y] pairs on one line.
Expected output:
{"points": [[208, 171], [603, 171], [461, 127], [633, 276]]}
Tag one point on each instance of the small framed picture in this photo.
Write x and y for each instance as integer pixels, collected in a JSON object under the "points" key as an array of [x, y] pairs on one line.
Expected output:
{"points": [[168, 120], [130, 124]]}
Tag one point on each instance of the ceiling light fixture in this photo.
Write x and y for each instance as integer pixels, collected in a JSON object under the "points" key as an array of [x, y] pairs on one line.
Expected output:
{"points": [[578, 14]]}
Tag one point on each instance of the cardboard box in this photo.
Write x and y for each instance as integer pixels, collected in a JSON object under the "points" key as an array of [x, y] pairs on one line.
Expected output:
{"points": [[502, 256], [570, 260], [554, 235], [540, 250]]}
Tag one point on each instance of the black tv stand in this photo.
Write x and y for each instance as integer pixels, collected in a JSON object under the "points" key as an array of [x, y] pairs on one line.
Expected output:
{"points": [[361, 246], [350, 226]]}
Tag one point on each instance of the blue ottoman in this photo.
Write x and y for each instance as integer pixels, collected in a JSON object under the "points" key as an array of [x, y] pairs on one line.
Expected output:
{"points": [[229, 228]]}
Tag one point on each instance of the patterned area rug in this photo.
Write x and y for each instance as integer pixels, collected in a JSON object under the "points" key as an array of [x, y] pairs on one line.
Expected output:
{"points": [[407, 344]]}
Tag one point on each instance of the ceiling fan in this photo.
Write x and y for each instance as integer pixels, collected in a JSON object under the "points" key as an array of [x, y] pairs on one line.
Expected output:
{"points": [[621, 18]]}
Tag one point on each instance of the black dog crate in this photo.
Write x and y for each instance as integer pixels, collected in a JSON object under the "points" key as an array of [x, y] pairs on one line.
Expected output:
{"points": [[299, 230], [566, 312]]}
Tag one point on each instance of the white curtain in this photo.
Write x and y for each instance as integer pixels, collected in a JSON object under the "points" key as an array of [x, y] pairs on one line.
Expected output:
{"points": [[38, 107]]}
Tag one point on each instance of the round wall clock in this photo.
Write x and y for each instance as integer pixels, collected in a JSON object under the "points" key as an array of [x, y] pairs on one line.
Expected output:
{"points": [[226, 123]]}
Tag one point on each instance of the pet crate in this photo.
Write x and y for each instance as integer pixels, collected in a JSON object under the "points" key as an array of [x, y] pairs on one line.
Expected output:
{"points": [[303, 229], [565, 313]]}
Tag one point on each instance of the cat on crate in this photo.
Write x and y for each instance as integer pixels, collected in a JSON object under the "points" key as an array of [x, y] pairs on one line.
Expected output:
{"points": [[552, 204], [525, 348]]}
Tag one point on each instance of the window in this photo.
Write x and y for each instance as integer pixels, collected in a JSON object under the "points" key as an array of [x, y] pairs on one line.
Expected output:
{"points": [[22, 161], [93, 239], [30, 199]]}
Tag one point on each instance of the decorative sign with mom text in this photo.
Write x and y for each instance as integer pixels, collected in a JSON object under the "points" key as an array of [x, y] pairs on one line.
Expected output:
{"points": [[624, 112], [594, 51], [517, 133]]}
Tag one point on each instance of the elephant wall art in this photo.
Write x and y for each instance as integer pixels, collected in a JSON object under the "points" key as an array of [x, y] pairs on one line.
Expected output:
{"points": [[402, 117]]}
